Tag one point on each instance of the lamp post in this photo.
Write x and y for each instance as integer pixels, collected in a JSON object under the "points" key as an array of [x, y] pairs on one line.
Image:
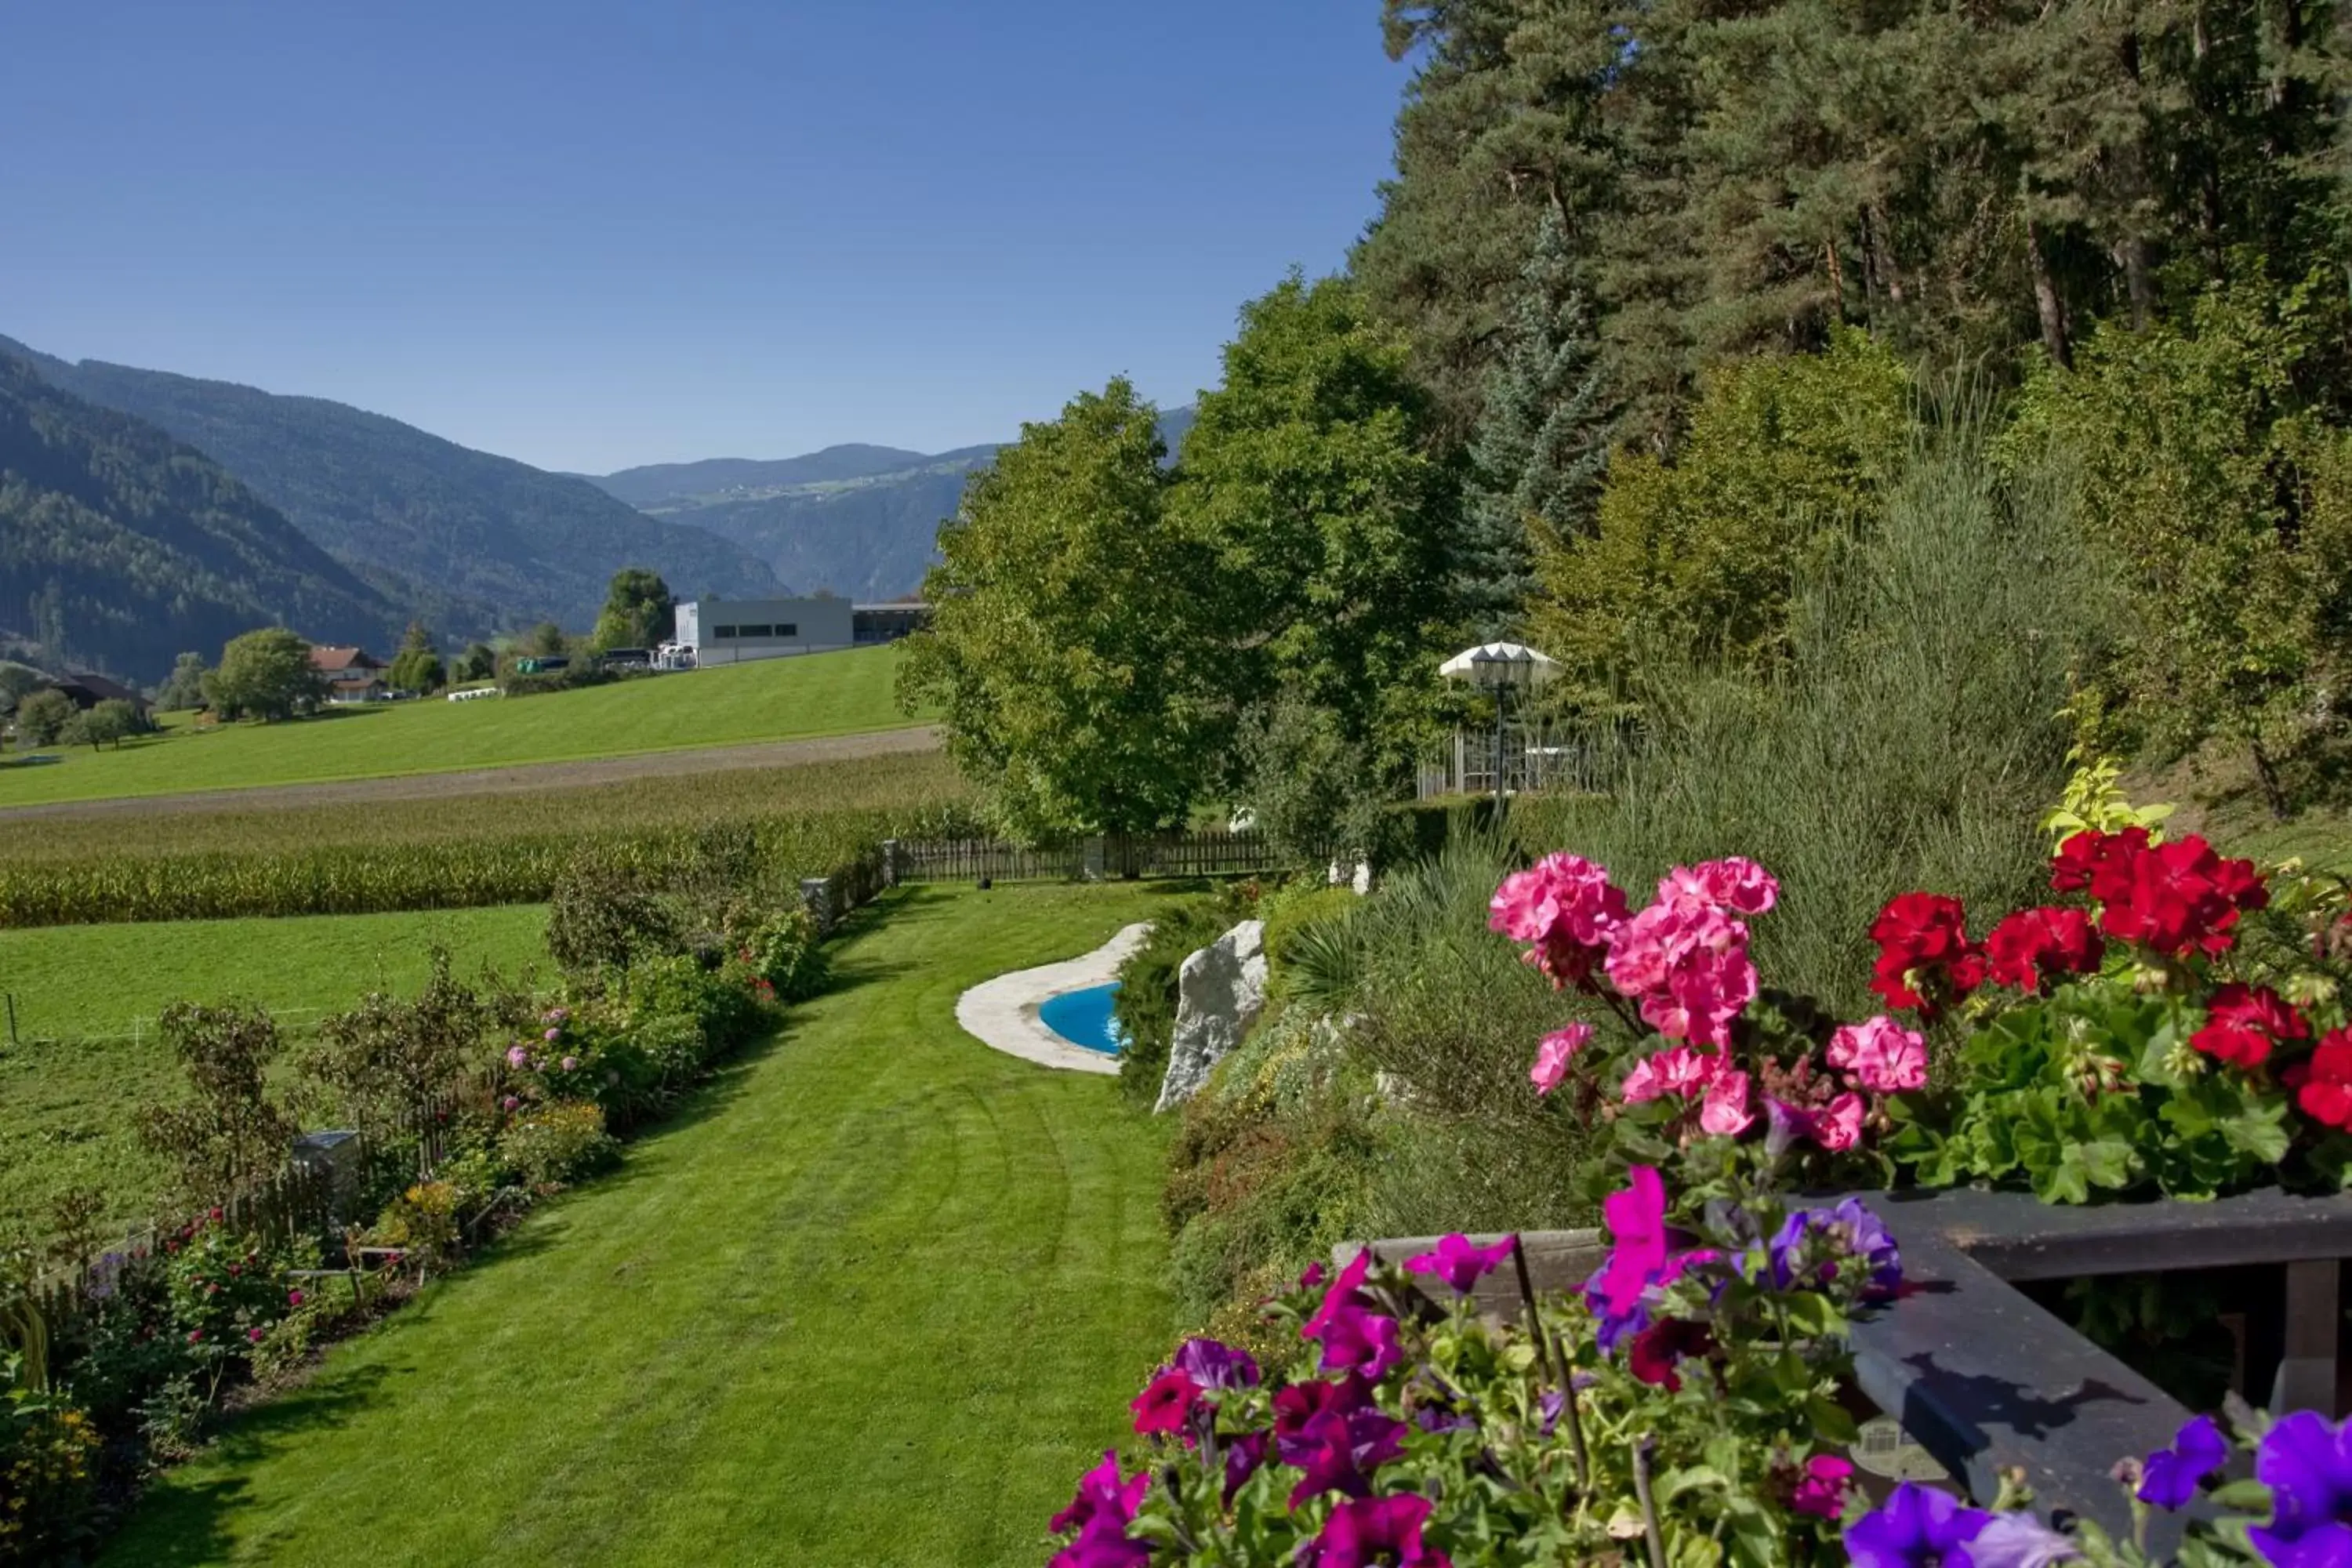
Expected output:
{"points": [[1500, 668]]}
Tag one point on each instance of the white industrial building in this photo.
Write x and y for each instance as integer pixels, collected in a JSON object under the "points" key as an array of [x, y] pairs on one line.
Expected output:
{"points": [[731, 631]]}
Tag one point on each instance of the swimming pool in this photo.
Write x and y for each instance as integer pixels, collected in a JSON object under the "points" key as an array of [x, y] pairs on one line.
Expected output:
{"points": [[1084, 1017]]}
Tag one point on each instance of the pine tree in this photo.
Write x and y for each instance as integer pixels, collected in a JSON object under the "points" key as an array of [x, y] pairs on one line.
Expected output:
{"points": [[1541, 445]]}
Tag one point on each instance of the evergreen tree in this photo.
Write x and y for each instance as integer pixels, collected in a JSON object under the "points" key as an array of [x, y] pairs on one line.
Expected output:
{"points": [[1541, 444], [417, 666], [184, 688]]}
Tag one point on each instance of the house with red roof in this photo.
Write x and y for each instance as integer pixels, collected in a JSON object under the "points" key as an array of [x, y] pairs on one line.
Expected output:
{"points": [[352, 674]]}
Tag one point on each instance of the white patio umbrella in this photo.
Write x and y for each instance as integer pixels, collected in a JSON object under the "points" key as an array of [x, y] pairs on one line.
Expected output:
{"points": [[1500, 668]]}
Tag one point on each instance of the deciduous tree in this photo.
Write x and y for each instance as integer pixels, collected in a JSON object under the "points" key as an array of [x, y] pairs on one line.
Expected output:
{"points": [[638, 613], [265, 675], [1072, 644]]}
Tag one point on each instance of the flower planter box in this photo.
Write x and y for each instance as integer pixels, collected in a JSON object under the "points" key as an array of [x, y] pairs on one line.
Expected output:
{"points": [[1985, 1379]]}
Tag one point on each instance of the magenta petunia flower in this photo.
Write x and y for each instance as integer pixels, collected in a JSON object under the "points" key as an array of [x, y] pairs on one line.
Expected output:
{"points": [[1102, 1493], [1821, 1488], [1362, 1342], [1339, 1449], [1636, 1218], [1374, 1531], [1459, 1263]]}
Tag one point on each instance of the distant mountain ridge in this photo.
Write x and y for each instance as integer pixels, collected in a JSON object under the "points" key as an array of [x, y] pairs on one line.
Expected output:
{"points": [[121, 547], [472, 541], [859, 520]]}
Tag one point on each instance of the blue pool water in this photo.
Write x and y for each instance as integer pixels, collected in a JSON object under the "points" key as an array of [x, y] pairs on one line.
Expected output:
{"points": [[1084, 1017]]}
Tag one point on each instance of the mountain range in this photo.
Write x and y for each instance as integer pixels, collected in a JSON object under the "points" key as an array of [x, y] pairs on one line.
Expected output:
{"points": [[858, 521], [144, 513], [122, 547]]}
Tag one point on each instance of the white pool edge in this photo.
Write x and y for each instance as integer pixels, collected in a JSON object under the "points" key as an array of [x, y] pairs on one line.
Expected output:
{"points": [[1002, 1013]]}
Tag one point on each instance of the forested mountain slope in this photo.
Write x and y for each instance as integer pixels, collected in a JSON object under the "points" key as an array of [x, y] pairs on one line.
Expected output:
{"points": [[120, 548], [386, 497]]}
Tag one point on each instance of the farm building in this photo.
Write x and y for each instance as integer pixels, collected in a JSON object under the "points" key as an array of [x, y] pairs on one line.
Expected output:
{"points": [[353, 674], [731, 631]]}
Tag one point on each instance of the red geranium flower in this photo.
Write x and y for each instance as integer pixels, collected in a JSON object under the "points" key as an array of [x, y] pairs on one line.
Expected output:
{"points": [[2243, 1022], [2032, 945], [2173, 898], [2323, 1086], [1922, 938]]}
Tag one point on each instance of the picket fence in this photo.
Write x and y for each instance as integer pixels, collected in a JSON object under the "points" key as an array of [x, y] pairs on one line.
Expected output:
{"points": [[1192, 852]]}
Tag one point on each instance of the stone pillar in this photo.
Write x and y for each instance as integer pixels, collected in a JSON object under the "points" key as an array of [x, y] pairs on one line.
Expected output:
{"points": [[817, 892]]}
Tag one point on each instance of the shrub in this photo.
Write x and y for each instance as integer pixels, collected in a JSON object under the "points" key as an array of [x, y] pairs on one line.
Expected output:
{"points": [[784, 950], [555, 1145], [603, 916], [424, 1224], [230, 1128], [1912, 742], [43, 716], [48, 1453], [1787, 458], [720, 1002], [1146, 1002], [1293, 914], [374, 1066]]}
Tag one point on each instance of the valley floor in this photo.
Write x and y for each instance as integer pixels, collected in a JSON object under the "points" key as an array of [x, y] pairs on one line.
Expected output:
{"points": [[876, 1297]]}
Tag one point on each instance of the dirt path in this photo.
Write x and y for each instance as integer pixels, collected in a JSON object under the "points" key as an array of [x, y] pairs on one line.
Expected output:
{"points": [[521, 779]]}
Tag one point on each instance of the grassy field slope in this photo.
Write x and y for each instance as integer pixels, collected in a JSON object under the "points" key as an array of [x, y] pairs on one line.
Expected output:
{"points": [[67, 1099], [877, 1299], [822, 694]]}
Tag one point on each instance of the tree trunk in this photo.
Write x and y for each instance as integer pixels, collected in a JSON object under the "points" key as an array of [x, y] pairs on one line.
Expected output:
{"points": [[2046, 302], [2274, 794]]}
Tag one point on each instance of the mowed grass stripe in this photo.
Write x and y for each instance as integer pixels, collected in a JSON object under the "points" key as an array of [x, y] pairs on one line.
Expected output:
{"points": [[773, 700], [875, 1298]]}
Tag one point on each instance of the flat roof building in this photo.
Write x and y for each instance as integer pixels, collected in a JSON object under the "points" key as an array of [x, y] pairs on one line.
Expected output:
{"points": [[732, 631]]}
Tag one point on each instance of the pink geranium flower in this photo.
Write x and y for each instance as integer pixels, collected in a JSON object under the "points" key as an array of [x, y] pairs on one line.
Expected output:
{"points": [[1724, 1113], [1557, 1049], [1734, 883], [1884, 1057]]}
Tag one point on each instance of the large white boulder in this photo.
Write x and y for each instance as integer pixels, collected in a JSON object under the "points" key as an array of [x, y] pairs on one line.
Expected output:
{"points": [[1220, 991]]}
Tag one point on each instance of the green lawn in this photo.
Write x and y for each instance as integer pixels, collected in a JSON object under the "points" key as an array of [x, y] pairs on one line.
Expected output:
{"points": [[877, 1299], [782, 698], [66, 1100]]}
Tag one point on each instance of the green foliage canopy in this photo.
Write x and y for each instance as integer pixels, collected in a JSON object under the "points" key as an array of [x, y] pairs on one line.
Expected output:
{"points": [[637, 611], [265, 675], [42, 717], [1072, 642]]}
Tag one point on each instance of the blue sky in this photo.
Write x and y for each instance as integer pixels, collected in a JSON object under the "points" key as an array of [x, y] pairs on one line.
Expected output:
{"points": [[594, 234]]}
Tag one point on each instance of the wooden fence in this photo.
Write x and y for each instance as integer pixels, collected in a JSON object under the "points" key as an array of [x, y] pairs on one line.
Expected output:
{"points": [[1110, 856]]}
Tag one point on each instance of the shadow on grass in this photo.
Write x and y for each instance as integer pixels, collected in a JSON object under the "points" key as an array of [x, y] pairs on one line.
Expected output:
{"points": [[184, 1521]]}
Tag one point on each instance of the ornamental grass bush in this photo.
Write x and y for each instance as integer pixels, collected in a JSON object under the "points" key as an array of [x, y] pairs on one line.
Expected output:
{"points": [[1915, 733]]}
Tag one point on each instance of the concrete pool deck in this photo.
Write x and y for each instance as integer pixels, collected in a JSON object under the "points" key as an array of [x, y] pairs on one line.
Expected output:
{"points": [[1002, 1013]]}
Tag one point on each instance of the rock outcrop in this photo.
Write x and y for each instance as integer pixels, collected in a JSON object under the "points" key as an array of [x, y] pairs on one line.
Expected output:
{"points": [[1220, 991]]}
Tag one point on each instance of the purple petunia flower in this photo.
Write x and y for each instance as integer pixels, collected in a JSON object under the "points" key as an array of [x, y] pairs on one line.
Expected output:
{"points": [[1212, 1364], [1460, 1264], [2307, 1465], [1102, 1493], [2020, 1541], [1243, 1455], [1339, 1449], [1813, 1245], [2169, 1478], [1919, 1528]]}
